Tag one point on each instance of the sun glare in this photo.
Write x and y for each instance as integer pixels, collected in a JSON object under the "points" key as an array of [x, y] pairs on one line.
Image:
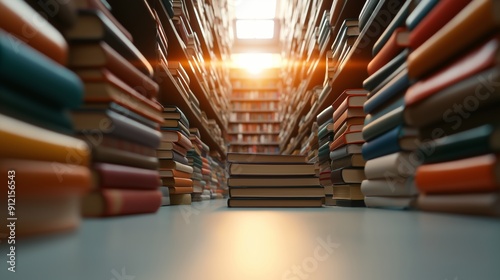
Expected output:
{"points": [[256, 62]]}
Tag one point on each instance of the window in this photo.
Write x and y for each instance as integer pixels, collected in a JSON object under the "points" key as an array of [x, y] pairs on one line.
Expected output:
{"points": [[255, 19]]}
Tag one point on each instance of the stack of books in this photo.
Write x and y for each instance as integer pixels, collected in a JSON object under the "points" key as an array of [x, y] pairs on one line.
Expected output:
{"points": [[341, 46], [347, 163], [44, 168], [261, 180], [390, 142], [453, 104], [173, 152], [195, 161], [120, 118], [219, 168], [200, 157], [206, 172], [325, 137]]}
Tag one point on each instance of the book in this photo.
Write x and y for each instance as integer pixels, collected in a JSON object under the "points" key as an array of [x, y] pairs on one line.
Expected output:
{"points": [[252, 181], [171, 154], [113, 155], [165, 199], [98, 5], [353, 137], [25, 141], [344, 151], [115, 202], [94, 26], [126, 112], [180, 199], [383, 124], [437, 18], [177, 182], [346, 175], [353, 160], [171, 164], [26, 109], [473, 142], [395, 165], [395, 87], [51, 83], [351, 116], [400, 138], [176, 190], [275, 169], [474, 174], [397, 22], [366, 12], [388, 106], [473, 62], [176, 137], [99, 94], [265, 158], [349, 203], [174, 173], [419, 13], [268, 192], [345, 94], [477, 20], [475, 88], [485, 204], [61, 17], [173, 113], [106, 175], [111, 123], [325, 115], [353, 101], [94, 139], [384, 187], [396, 43], [390, 202], [347, 192], [274, 202], [18, 17], [378, 78]]}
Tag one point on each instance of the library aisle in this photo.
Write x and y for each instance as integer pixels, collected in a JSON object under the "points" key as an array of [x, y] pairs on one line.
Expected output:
{"points": [[210, 241]]}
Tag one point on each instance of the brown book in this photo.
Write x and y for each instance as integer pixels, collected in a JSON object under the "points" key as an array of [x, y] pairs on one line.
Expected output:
{"points": [[177, 182], [272, 169], [167, 146], [174, 173], [276, 202], [349, 137], [176, 137], [22, 21], [351, 192], [353, 160], [167, 164], [116, 156], [357, 118], [277, 192], [347, 175], [115, 202], [265, 158], [180, 189], [88, 60], [180, 199], [272, 182], [486, 204]]}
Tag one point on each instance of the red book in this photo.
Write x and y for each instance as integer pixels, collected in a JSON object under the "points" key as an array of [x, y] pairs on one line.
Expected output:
{"points": [[345, 94], [474, 174], [115, 202], [107, 175], [396, 43], [352, 101], [349, 137], [475, 61], [438, 17]]}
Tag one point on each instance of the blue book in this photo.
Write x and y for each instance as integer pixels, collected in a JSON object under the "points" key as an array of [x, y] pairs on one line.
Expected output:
{"points": [[423, 8], [400, 138], [379, 78], [397, 21], [384, 123], [396, 86], [389, 106], [37, 76]]}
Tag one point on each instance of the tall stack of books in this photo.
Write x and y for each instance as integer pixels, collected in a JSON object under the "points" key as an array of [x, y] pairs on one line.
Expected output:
{"points": [[195, 161], [220, 170], [262, 180], [347, 162], [390, 142], [45, 170], [453, 104], [120, 118], [206, 172], [174, 148], [325, 137], [341, 46]]}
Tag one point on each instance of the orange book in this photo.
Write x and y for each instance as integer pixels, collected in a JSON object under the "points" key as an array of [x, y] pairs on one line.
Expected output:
{"points": [[180, 190], [112, 89], [479, 59], [474, 174], [438, 17], [25, 141], [176, 137], [20, 20], [174, 173], [349, 137], [89, 60], [396, 43], [177, 182], [345, 94], [477, 20]]}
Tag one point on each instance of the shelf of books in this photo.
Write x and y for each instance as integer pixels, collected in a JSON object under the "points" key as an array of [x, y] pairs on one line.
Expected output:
{"points": [[254, 120]]}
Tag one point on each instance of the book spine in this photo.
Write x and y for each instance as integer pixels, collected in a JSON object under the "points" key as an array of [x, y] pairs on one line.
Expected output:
{"points": [[397, 86], [120, 176], [383, 124], [385, 144]]}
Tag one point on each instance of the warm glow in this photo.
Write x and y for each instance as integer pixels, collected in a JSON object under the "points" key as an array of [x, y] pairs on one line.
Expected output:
{"points": [[254, 29], [255, 19], [255, 9], [256, 62]]}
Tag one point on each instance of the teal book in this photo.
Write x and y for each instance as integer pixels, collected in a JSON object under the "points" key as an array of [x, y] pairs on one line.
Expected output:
{"points": [[37, 76], [26, 109], [381, 76], [384, 123], [422, 9], [394, 103], [473, 142], [397, 21]]}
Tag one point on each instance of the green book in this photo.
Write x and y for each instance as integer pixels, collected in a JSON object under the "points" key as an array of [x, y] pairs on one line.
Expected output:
{"points": [[37, 76]]}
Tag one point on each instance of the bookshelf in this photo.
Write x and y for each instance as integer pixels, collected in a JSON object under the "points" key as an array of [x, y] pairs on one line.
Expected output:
{"points": [[372, 244], [309, 81], [254, 119]]}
